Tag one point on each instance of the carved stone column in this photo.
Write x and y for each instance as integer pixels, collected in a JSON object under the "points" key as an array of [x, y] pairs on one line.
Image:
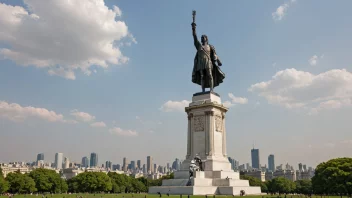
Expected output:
{"points": [[224, 152], [189, 134]]}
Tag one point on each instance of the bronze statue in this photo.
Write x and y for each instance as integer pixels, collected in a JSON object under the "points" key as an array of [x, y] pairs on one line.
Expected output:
{"points": [[206, 71]]}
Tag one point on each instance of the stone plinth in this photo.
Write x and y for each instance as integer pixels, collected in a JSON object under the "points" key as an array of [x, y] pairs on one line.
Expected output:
{"points": [[206, 136]]}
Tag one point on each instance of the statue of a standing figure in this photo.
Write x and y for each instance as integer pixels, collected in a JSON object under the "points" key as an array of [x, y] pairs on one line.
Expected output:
{"points": [[206, 71]]}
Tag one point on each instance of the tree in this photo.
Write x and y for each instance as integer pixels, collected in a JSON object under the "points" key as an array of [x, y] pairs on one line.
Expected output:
{"points": [[1, 173], [48, 181], [252, 180], [280, 185], [304, 187], [4, 186], [20, 183], [333, 177], [90, 182]]}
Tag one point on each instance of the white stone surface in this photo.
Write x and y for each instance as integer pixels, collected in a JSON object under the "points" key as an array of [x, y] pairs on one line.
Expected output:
{"points": [[205, 98]]}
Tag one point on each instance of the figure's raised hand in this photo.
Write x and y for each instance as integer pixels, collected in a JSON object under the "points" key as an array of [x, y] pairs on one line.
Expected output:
{"points": [[194, 25]]}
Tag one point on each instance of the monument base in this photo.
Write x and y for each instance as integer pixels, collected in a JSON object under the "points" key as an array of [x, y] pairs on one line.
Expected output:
{"points": [[206, 139]]}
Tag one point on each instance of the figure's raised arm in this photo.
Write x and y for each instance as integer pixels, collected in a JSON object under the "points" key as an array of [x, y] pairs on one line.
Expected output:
{"points": [[195, 38]]}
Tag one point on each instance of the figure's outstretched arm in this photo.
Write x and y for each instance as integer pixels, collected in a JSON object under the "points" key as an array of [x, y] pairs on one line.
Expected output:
{"points": [[195, 38]]}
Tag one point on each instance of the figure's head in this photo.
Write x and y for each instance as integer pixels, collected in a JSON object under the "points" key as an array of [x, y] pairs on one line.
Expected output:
{"points": [[204, 39]]}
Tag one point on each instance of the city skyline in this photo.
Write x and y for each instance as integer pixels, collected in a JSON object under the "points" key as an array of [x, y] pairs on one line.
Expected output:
{"points": [[121, 91]]}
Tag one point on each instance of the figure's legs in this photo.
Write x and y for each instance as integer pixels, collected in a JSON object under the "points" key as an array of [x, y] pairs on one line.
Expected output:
{"points": [[210, 76], [202, 80]]}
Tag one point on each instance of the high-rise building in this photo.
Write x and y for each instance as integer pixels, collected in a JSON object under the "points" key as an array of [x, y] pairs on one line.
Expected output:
{"points": [[40, 156], [85, 162], [133, 165], [304, 168], [255, 158], [271, 163], [300, 167], [125, 164], [176, 164], [139, 164], [168, 166], [66, 163], [108, 165], [150, 164], [93, 160], [58, 160], [155, 168], [144, 169]]}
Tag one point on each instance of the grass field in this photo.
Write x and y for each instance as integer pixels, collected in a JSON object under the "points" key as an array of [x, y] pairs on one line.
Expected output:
{"points": [[150, 196]]}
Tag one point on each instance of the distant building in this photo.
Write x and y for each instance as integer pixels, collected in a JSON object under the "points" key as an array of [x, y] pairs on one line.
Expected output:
{"points": [[256, 174], [108, 165], [133, 165], [300, 167], [85, 162], [150, 164], [58, 160], [139, 164], [155, 168], [271, 163], [125, 164], [93, 160], [176, 164], [255, 158], [288, 174], [144, 169], [40, 156], [116, 167], [66, 163]]}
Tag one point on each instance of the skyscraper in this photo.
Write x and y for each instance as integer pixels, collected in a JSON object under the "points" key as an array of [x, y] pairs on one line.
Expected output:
{"points": [[58, 160], [108, 165], [125, 164], [255, 158], [40, 156], [300, 167], [85, 162], [155, 168], [139, 164], [144, 169], [271, 163], [133, 165], [66, 163], [150, 164], [93, 160]]}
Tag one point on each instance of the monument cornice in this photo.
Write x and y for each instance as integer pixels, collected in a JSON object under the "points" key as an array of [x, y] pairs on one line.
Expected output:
{"points": [[210, 104]]}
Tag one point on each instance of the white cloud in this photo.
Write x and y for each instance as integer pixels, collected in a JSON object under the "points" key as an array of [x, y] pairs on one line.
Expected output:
{"points": [[238, 100], [280, 12], [171, 106], [313, 60], [98, 124], [228, 104], [298, 89], [117, 10], [63, 36], [82, 116], [16, 112], [122, 132]]}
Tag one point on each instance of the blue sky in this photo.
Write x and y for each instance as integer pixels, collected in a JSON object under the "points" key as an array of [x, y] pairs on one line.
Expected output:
{"points": [[118, 63]]}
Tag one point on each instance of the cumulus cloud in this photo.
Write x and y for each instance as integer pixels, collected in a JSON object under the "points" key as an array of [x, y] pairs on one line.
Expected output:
{"points": [[281, 11], [98, 124], [122, 132], [16, 112], [172, 106], [238, 100], [82, 116], [63, 36], [314, 60], [298, 89]]}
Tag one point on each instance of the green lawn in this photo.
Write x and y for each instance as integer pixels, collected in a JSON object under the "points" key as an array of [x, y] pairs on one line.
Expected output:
{"points": [[147, 196]]}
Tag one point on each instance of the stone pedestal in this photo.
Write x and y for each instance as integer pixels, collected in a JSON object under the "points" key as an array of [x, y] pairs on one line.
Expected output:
{"points": [[206, 137]]}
